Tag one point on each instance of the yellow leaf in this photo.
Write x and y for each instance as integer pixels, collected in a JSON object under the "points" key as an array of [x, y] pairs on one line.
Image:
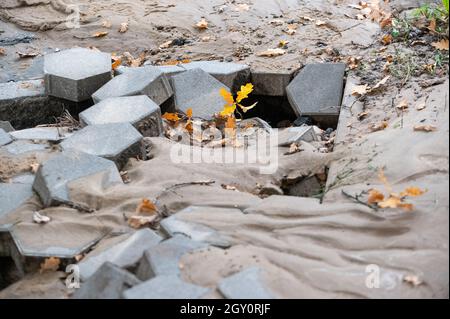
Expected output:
{"points": [[189, 113], [172, 117], [375, 196], [441, 45], [50, 264], [231, 123], [117, 62], [244, 92], [146, 207], [413, 192], [228, 110], [227, 96], [384, 180], [425, 128]]}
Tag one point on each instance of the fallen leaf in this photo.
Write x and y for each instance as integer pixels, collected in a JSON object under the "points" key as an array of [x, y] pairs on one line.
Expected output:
{"points": [[172, 117], [50, 264], [166, 45], [137, 222], [425, 128], [34, 167], [242, 7], [375, 196], [412, 192], [27, 54], [403, 105], [2, 51], [100, 34], [360, 89], [395, 202], [294, 148], [40, 219], [146, 207], [202, 24], [386, 39], [106, 24], [283, 43], [413, 280], [123, 27], [421, 106], [361, 116], [244, 92], [379, 126], [189, 113], [353, 62], [231, 123], [117, 61], [441, 45], [272, 52], [320, 23], [380, 83], [432, 25]]}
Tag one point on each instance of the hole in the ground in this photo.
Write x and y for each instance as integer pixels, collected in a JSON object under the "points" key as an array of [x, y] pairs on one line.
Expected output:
{"points": [[8, 272], [306, 186]]}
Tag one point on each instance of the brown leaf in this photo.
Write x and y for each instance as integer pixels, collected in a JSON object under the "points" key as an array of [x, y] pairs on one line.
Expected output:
{"points": [[425, 128], [2, 51], [50, 264], [272, 52], [379, 126], [381, 83], [432, 26], [360, 89], [171, 117], [413, 192], [361, 116], [137, 222], [375, 196], [403, 105], [441, 45], [34, 167], [413, 280], [166, 45], [386, 39], [123, 27], [106, 24], [146, 207], [100, 34], [202, 24], [395, 202]]}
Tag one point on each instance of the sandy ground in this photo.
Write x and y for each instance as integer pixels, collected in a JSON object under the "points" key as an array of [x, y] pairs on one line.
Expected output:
{"points": [[307, 250]]}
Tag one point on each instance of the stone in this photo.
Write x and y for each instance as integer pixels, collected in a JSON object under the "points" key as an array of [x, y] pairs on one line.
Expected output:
{"points": [[168, 70], [116, 142], [291, 135], [124, 254], [6, 126], [164, 258], [12, 196], [233, 75], [246, 284], [75, 74], [23, 146], [174, 225], [5, 138], [148, 81], [271, 83], [108, 282], [166, 287], [54, 175], [20, 99], [140, 111], [317, 90], [53, 134], [200, 91]]}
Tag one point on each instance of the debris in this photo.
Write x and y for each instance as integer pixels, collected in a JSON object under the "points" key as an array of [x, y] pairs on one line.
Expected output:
{"points": [[123, 27], [412, 280], [147, 207], [50, 265], [138, 221], [425, 128], [379, 126], [100, 34], [441, 45], [40, 219], [272, 52], [202, 24]]}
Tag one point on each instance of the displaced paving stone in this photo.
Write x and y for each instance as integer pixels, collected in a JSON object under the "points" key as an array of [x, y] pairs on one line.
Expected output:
{"points": [[12, 196], [288, 136], [246, 284], [317, 90], [5, 138], [148, 81], [116, 142], [53, 134], [174, 225], [168, 70], [54, 175], [6, 126], [163, 259], [24, 146], [271, 83], [166, 287], [200, 91], [125, 254], [75, 74], [20, 99], [233, 75], [108, 282], [140, 111]]}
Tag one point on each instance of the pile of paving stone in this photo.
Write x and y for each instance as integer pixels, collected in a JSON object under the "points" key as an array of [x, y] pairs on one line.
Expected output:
{"points": [[127, 107]]}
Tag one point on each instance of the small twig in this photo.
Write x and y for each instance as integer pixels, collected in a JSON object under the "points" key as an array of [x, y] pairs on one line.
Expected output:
{"points": [[356, 199], [80, 207], [173, 187]]}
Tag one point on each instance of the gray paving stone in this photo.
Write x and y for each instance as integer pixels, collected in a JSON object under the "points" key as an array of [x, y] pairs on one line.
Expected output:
{"points": [[317, 90], [108, 282], [163, 259], [140, 111], [20, 99], [116, 142], [5, 138], [288, 136], [271, 83], [23, 146], [54, 134], [200, 91], [54, 175], [6, 126], [125, 254], [148, 81], [168, 70], [233, 75], [174, 225], [166, 287], [246, 284], [75, 74], [12, 196]]}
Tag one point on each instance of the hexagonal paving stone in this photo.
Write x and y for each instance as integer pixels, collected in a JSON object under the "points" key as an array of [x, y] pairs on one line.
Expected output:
{"points": [[116, 142], [317, 90], [23, 146], [140, 111], [200, 91], [54, 175], [271, 83], [233, 75], [168, 70], [5, 138], [163, 259], [165, 287], [148, 81], [288, 136], [75, 74], [13, 195], [6, 126], [53, 134], [124, 254], [246, 284]]}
